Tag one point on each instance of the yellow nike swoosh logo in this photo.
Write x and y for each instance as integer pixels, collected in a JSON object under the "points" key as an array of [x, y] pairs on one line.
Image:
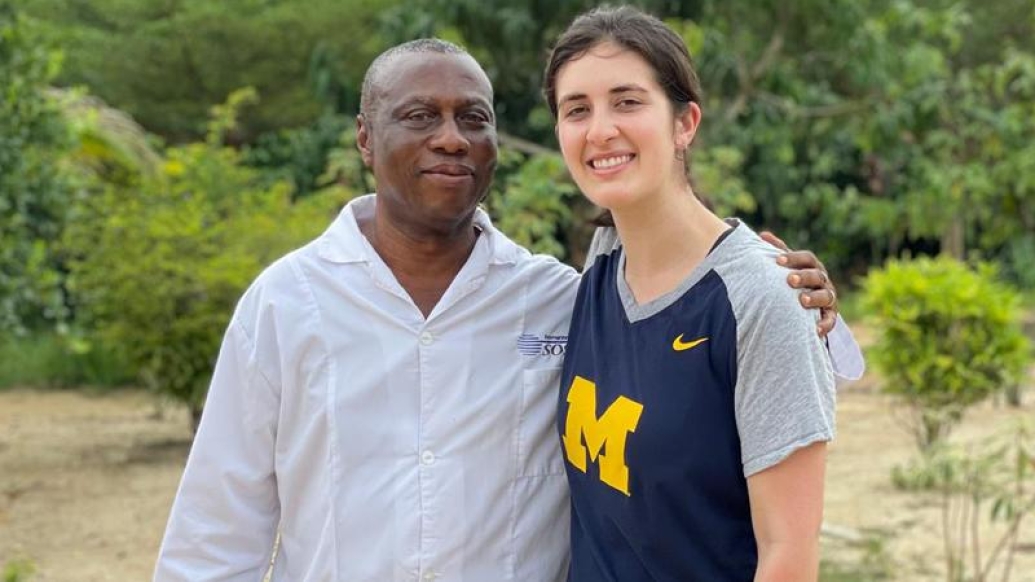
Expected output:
{"points": [[679, 345]]}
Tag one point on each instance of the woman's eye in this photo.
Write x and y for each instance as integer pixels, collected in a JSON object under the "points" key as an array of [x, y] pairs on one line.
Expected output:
{"points": [[576, 111]]}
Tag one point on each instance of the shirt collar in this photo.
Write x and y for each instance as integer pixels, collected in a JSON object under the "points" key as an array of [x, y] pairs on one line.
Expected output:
{"points": [[343, 242]]}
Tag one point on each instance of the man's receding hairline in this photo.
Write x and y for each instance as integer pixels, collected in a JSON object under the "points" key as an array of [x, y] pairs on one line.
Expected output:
{"points": [[373, 80]]}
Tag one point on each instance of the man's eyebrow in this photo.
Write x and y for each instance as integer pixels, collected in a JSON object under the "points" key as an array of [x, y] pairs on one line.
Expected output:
{"points": [[429, 101]]}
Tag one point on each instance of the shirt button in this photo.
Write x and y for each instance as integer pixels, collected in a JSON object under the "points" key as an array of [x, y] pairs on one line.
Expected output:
{"points": [[426, 338], [427, 457], [429, 576]]}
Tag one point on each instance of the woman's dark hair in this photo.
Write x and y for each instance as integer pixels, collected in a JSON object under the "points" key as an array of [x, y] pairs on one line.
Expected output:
{"points": [[641, 33], [635, 31]]}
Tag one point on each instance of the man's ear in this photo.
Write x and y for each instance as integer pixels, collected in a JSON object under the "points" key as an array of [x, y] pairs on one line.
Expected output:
{"points": [[364, 142], [686, 125]]}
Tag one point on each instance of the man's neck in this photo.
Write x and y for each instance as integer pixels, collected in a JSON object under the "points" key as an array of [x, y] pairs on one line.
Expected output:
{"points": [[425, 263]]}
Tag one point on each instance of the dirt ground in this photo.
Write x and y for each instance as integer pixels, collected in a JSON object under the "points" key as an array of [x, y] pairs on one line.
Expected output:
{"points": [[86, 482]]}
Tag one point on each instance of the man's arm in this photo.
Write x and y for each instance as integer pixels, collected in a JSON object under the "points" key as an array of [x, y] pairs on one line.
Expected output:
{"points": [[787, 513], [226, 511]]}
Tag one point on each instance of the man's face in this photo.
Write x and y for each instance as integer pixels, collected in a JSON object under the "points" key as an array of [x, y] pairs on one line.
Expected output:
{"points": [[431, 141]]}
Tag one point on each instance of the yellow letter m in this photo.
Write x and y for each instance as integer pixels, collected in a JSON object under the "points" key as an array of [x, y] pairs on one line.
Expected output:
{"points": [[611, 429]]}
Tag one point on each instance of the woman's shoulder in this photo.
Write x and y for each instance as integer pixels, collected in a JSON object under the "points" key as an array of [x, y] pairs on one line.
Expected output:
{"points": [[754, 280]]}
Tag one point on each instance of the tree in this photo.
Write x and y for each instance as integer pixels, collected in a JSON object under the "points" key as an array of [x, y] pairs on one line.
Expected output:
{"points": [[34, 192], [159, 266], [950, 337], [165, 63]]}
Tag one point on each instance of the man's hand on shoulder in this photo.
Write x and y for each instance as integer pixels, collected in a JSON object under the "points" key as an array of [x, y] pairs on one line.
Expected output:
{"points": [[809, 275]]}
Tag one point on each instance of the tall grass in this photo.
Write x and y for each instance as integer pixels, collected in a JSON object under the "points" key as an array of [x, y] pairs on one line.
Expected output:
{"points": [[48, 360]]}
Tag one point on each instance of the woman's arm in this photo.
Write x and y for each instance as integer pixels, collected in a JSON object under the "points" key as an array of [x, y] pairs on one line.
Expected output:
{"points": [[787, 512]]}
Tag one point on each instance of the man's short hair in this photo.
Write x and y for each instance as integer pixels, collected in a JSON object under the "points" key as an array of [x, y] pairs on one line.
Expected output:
{"points": [[370, 93]]}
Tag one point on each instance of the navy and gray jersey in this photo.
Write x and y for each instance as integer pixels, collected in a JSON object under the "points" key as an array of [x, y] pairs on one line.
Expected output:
{"points": [[666, 408]]}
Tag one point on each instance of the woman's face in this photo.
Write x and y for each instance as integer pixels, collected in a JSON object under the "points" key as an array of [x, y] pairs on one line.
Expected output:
{"points": [[617, 130]]}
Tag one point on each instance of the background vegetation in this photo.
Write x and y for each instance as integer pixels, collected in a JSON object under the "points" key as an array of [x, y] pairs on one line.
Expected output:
{"points": [[155, 155]]}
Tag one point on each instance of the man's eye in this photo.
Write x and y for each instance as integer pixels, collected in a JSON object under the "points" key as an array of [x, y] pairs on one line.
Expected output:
{"points": [[475, 118], [420, 116]]}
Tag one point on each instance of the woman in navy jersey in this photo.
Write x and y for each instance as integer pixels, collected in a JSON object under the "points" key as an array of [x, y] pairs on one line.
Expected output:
{"points": [[696, 398]]}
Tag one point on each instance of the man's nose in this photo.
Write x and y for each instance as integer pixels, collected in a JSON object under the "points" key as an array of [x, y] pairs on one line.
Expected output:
{"points": [[450, 138]]}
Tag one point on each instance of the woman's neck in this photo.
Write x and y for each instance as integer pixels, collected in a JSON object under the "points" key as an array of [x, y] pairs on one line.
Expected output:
{"points": [[664, 240]]}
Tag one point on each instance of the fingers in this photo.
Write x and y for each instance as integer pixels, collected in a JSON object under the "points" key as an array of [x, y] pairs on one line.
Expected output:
{"points": [[819, 298], [799, 260], [774, 240], [811, 279], [828, 317]]}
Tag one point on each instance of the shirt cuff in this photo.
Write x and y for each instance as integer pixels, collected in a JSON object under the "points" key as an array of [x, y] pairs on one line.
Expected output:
{"points": [[845, 354]]}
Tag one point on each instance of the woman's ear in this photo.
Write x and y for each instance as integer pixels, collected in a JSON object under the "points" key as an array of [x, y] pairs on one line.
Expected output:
{"points": [[686, 126]]}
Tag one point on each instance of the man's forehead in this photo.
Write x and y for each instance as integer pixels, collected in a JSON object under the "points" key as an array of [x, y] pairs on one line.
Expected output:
{"points": [[418, 72]]}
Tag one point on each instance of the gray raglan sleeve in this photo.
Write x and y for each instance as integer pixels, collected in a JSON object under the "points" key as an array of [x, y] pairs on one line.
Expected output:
{"points": [[785, 396], [605, 240]]}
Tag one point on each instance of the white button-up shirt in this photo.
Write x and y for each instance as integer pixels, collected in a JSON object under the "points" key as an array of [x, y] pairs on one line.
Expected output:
{"points": [[383, 446]]}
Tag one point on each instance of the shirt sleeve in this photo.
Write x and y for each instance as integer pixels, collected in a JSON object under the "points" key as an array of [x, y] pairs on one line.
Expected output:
{"points": [[605, 240], [845, 354], [225, 514], [784, 396]]}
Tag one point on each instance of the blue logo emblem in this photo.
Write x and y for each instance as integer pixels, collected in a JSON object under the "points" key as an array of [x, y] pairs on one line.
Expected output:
{"points": [[542, 344]]}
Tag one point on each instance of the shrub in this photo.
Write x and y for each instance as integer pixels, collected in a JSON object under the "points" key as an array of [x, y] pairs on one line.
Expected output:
{"points": [[949, 337], [157, 270], [34, 193]]}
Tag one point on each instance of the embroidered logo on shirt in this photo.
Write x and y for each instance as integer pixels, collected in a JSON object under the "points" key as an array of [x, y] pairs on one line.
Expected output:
{"points": [[679, 345], [542, 344], [611, 428]]}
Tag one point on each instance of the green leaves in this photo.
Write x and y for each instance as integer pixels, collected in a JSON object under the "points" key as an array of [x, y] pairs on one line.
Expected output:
{"points": [[533, 204], [158, 268], [34, 194], [950, 337]]}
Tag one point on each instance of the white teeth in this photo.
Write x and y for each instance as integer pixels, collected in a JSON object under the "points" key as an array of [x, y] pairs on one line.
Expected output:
{"points": [[611, 162]]}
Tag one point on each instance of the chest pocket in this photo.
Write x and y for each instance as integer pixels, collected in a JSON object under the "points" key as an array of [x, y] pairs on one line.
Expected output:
{"points": [[539, 451]]}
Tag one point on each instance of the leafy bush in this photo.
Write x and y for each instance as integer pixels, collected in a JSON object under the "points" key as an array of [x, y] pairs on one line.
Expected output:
{"points": [[51, 360], [949, 337], [532, 205], [33, 192], [157, 270]]}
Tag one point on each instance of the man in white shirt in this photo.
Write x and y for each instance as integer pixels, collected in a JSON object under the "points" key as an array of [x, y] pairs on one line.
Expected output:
{"points": [[385, 396]]}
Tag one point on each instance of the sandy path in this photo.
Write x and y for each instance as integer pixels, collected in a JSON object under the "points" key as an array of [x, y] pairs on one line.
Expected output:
{"points": [[86, 483]]}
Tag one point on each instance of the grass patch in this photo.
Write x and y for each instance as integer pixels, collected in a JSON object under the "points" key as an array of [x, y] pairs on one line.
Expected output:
{"points": [[49, 360], [17, 571]]}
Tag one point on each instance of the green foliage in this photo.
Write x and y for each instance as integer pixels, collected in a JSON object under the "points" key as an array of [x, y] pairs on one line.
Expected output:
{"points": [[301, 155], [988, 482], [33, 191], [166, 63], [872, 562], [18, 571], [533, 203], [950, 336], [51, 360], [157, 270]]}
